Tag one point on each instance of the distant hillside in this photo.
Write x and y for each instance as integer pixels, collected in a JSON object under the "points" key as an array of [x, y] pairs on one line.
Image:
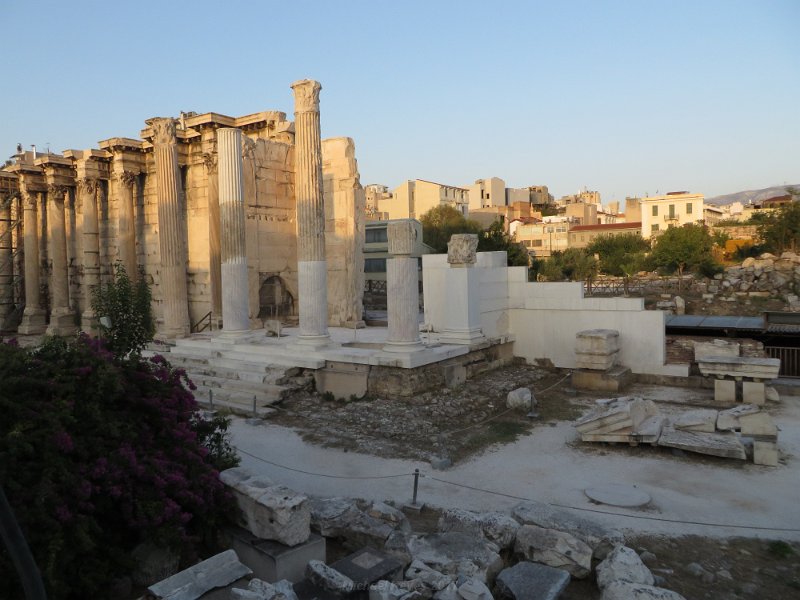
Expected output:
{"points": [[751, 195]]}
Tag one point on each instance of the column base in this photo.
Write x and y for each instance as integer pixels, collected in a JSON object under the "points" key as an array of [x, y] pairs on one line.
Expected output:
{"points": [[33, 322], [62, 322], [313, 342], [173, 333], [467, 337], [404, 347], [89, 323]]}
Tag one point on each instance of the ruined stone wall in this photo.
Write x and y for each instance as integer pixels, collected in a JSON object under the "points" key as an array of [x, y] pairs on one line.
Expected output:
{"points": [[345, 206]]}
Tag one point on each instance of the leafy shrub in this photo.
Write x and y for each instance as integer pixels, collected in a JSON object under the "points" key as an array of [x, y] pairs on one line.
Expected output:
{"points": [[97, 455], [572, 264], [126, 306], [620, 254]]}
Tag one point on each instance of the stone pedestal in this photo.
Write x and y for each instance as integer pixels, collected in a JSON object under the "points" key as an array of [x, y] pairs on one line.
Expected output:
{"points": [[402, 288], [33, 318], [753, 392], [311, 264], [87, 192], [235, 307], [725, 391], [62, 319], [596, 349], [173, 288], [463, 319]]}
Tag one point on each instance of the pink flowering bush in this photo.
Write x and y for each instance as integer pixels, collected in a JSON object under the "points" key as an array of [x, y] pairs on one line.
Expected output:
{"points": [[96, 456]]}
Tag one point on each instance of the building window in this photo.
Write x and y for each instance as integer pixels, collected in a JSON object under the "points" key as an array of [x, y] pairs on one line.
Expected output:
{"points": [[688, 208], [375, 265], [654, 228], [655, 210], [536, 243], [487, 195], [376, 236]]}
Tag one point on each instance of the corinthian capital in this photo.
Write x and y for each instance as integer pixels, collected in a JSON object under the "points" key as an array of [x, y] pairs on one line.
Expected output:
{"points": [[126, 178], [306, 95], [56, 192], [163, 130], [88, 185], [28, 201]]}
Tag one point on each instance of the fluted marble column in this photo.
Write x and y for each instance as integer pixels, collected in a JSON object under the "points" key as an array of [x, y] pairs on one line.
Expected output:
{"points": [[174, 293], [312, 276], [87, 197], [214, 259], [125, 182], [33, 318], [235, 294], [402, 288], [62, 319], [6, 263]]}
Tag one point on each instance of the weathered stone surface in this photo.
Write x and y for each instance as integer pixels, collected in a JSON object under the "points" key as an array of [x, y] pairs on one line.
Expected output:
{"points": [[519, 398], [496, 527], [759, 425], [270, 512], [728, 420], [261, 590], [624, 590], [386, 590], [716, 348], [531, 581], [753, 392], [286, 588], [556, 549], [597, 341], [623, 564], [432, 578], [389, 515], [697, 420], [191, 583], [397, 545], [726, 445], [457, 553], [461, 249], [771, 394], [765, 453], [600, 538], [741, 366], [474, 589], [320, 574]]}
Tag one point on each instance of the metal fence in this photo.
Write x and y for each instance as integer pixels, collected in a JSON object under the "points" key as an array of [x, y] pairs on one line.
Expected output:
{"points": [[790, 360], [635, 286]]}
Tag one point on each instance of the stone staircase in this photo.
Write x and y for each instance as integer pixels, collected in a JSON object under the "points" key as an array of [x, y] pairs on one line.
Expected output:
{"points": [[246, 385]]}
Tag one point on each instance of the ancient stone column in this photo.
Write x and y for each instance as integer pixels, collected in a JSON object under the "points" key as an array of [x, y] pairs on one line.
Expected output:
{"points": [[6, 264], [214, 259], [235, 297], [312, 275], [87, 197], [173, 288], [33, 318], [402, 287], [62, 319], [126, 225], [463, 316]]}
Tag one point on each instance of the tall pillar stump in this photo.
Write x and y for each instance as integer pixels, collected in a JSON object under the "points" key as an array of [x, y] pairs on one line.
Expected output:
{"points": [[463, 318], [402, 288]]}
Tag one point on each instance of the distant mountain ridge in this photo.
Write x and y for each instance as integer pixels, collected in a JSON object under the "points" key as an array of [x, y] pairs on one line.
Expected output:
{"points": [[751, 195]]}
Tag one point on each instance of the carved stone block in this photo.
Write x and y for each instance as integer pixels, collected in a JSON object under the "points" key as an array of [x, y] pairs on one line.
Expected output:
{"points": [[462, 249]]}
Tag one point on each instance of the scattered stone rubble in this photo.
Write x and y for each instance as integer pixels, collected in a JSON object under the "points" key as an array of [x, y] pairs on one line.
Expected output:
{"points": [[533, 553], [766, 276], [724, 433]]}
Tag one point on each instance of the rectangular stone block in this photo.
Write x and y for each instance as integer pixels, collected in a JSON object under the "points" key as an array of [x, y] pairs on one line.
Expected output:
{"points": [[725, 391], [697, 420], [596, 362], [759, 425], [765, 453], [716, 348], [615, 379], [753, 392], [597, 341], [272, 561]]}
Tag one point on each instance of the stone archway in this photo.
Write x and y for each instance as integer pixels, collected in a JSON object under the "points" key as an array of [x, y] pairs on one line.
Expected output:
{"points": [[274, 299]]}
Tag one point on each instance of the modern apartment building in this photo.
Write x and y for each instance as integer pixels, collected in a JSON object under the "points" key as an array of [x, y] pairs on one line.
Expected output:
{"points": [[671, 210], [415, 197]]}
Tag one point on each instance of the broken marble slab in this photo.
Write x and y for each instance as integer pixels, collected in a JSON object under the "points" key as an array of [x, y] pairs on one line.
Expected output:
{"points": [[215, 572], [728, 420], [703, 420], [726, 445], [759, 426]]}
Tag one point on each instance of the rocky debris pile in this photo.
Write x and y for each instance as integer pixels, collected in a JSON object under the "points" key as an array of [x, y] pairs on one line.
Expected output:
{"points": [[766, 276], [533, 553], [726, 433]]}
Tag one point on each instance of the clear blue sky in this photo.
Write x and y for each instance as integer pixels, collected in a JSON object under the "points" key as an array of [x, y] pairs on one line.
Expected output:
{"points": [[623, 97]]}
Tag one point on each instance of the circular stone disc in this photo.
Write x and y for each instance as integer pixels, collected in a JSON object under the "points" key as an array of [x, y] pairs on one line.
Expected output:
{"points": [[618, 494]]}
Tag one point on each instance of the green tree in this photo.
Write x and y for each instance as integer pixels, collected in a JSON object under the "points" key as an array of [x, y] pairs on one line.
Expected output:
{"points": [[441, 222], [780, 230], [124, 313], [686, 248], [572, 264], [617, 252]]}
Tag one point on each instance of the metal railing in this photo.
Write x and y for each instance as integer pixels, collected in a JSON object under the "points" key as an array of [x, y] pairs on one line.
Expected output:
{"points": [[790, 360], [203, 324]]}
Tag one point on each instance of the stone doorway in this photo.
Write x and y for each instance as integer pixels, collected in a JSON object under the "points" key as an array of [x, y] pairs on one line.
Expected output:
{"points": [[274, 299]]}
